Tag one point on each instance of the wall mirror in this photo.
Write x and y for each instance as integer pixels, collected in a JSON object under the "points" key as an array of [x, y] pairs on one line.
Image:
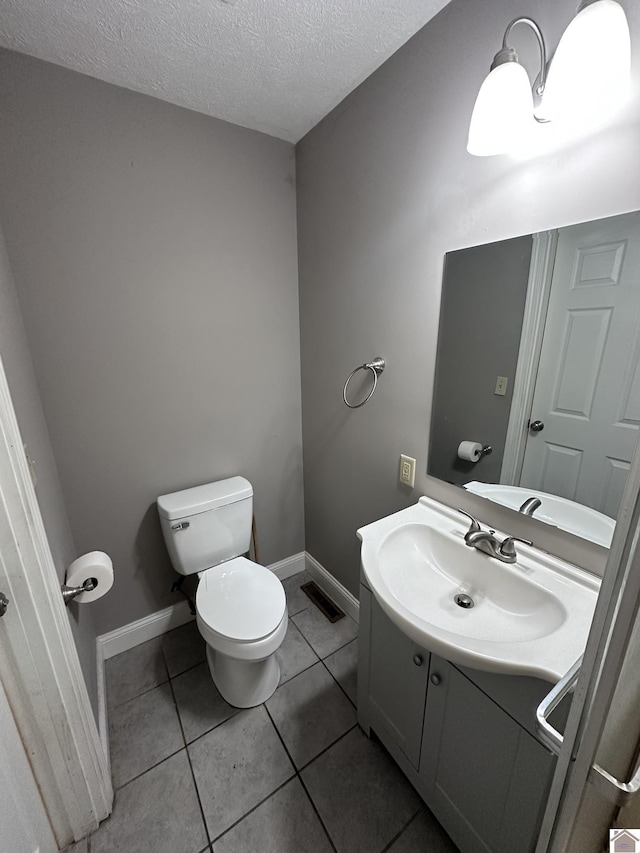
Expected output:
{"points": [[539, 359]]}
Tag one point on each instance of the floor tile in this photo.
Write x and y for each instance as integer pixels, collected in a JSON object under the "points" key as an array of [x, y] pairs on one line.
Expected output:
{"points": [[343, 665], [200, 706], [295, 654], [296, 599], [134, 672], [183, 648], [158, 811], [142, 732], [285, 823], [424, 833], [310, 712], [325, 637], [361, 795], [236, 766]]}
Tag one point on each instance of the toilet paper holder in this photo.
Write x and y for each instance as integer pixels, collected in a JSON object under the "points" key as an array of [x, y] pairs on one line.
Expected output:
{"points": [[70, 592]]}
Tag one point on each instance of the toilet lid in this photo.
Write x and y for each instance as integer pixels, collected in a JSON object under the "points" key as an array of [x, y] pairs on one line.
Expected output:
{"points": [[240, 600]]}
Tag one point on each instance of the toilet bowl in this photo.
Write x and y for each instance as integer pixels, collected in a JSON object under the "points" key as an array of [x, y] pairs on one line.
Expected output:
{"points": [[241, 613], [241, 609]]}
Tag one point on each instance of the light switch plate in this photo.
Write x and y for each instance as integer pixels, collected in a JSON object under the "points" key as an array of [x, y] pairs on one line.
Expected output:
{"points": [[501, 386], [407, 473]]}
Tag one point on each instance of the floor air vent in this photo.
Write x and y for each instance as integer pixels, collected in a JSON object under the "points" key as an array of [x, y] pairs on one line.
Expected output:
{"points": [[324, 604]]}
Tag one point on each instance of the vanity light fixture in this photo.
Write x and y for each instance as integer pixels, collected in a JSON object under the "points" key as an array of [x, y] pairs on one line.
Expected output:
{"points": [[587, 79]]}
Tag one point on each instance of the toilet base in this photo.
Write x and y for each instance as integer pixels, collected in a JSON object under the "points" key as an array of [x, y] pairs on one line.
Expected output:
{"points": [[243, 683]]}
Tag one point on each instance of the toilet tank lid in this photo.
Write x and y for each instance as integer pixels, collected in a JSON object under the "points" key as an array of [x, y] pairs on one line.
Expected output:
{"points": [[203, 498]]}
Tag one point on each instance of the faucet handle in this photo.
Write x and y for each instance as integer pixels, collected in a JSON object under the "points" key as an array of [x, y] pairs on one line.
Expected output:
{"points": [[475, 524], [507, 548]]}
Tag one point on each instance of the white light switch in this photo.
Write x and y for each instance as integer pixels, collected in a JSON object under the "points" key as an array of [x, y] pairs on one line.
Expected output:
{"points": [[407, 474], [501, 386]]}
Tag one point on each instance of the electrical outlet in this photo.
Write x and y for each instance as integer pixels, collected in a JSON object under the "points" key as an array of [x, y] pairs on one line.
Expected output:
{"points": [[407, 474], [501, 386]]}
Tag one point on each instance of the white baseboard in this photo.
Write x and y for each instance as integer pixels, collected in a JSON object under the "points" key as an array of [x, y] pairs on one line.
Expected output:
{"points": [[289, 566], [333, 588], [135, 633]]}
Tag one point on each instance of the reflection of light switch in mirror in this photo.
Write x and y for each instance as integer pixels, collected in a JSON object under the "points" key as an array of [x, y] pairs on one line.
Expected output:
{"points": [[501, 386], [407, 474]]}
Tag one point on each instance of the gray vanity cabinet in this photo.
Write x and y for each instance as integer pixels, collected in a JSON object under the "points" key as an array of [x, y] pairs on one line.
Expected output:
{"points": [[487, 777], [396, 682], [465, 739]]}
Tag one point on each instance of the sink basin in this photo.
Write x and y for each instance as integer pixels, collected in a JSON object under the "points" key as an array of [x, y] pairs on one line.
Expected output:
{"points": [[531, 617], [559, 512]]}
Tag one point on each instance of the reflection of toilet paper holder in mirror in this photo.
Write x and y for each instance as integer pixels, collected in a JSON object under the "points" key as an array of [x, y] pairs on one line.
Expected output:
{"points": [[473, 451]]}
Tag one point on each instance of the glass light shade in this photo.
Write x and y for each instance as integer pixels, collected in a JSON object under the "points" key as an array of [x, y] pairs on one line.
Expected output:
{"points": [[589, 76], [503, 111]]}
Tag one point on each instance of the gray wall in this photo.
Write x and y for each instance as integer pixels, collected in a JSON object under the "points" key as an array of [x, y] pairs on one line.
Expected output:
{"points": [[483, 295], [18, 367], [154, 252], [385, 189]]}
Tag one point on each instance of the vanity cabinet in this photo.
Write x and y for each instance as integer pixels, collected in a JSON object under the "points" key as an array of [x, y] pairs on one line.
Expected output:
{"points": [[465, 739], [396, 682]]}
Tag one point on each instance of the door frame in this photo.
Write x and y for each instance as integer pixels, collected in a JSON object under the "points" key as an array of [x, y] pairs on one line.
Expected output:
{"points": [[39, 665], [543, 256], [615, 615]]}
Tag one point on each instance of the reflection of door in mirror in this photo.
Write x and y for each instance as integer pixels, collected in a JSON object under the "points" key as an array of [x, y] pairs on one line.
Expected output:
{"points": [[574, 293], [587, 391]]}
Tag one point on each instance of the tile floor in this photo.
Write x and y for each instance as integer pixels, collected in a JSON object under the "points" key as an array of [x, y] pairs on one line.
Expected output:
{"points": [[295, 775]]}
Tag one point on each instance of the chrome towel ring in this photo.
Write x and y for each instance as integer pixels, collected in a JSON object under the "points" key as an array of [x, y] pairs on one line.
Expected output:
{"points": [[376, 367]]}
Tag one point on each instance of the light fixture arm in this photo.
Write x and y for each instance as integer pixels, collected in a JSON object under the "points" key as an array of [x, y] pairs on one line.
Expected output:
{"points": [[508, 54]]}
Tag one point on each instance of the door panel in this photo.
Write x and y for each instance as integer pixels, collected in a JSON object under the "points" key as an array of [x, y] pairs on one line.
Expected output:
{"points": [[24, 827], [588, 385]]}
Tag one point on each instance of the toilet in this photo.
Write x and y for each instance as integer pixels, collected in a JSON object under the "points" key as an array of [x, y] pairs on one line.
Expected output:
{"points": [[241, 609]]}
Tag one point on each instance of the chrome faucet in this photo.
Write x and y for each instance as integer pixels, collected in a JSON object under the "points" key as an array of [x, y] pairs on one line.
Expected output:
{"points": [[530, 506], [487, 541]]}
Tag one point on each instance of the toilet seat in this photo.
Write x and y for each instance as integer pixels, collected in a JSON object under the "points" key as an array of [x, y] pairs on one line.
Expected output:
{"points": [[240, 602]]}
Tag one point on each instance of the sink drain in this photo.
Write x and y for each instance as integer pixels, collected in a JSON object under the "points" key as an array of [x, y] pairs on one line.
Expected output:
{"points": [[463, 600]]}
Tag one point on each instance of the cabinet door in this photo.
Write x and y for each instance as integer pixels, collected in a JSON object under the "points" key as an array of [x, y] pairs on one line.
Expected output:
{"points": [[398, 671], [487, 777]]}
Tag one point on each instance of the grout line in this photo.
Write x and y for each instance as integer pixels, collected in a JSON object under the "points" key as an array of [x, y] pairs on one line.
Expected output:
{"points": [[284, 746], [217, 725], [401, 832], [333, 651], [153, 767], [339, 685], [333, 743], [193, 775], [298, 776], [343, 646], [299, 630], [253, 808], [313, 806], [188, 669], [137, 696], [289, 680]]}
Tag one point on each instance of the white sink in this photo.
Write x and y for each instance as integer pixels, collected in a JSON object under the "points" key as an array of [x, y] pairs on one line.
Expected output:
{"points": [[559, 512], [531, 617]]}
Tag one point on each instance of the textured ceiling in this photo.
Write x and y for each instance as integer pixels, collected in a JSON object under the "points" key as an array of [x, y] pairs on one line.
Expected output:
{"points": [[277, 66]]}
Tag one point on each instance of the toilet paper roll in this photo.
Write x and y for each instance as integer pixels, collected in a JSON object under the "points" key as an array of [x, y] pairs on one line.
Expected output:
{"points": [[470, 451], [95, 564]]}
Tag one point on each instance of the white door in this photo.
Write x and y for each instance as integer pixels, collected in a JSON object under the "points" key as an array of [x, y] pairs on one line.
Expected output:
{"points": [[588, 387], [24, 827]]}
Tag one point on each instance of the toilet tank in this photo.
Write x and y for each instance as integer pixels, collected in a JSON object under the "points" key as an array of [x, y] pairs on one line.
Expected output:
{"points": [[207, 525]]}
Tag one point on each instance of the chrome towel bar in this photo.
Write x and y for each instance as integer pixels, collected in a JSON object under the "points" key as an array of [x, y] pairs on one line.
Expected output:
{"points": [[615, 791]]}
